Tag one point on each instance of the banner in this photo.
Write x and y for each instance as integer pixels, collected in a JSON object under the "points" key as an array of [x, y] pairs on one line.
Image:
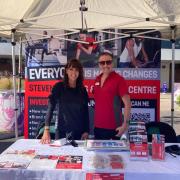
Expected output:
{"points": [[137, 59], [7, 114]]}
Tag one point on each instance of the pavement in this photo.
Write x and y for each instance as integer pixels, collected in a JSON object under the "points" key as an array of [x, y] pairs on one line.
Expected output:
{"points": [[165, 112]]}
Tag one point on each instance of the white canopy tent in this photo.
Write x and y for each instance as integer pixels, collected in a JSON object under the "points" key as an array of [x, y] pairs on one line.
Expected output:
{"points": [[25, 15], [19, 17]]}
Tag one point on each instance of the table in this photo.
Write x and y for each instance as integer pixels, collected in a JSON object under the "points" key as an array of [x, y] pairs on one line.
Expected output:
{"points": [[136, 170]]}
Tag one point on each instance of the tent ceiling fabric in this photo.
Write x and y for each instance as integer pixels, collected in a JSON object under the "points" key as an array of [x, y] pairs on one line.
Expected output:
{"points": [[25, 15]]}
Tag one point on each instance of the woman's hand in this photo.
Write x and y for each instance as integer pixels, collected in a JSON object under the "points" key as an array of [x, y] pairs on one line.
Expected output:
{"points": [[46, 138], [84, 136]]}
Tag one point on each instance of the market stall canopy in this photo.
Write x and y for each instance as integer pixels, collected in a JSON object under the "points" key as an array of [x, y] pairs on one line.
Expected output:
{"points": [[27, 15]]}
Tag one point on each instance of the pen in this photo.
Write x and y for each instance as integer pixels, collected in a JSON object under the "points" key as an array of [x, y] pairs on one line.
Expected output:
{"points": [[172, 154]]}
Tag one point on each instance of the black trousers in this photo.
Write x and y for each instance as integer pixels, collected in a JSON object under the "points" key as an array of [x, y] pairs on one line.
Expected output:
{"points": [[105, 134]]}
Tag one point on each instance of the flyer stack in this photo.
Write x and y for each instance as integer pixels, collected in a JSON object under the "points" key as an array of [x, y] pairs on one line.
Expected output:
{"points": [[138, 140]]}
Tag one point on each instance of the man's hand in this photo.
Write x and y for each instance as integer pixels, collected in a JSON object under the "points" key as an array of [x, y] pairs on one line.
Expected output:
{"points": [[121, 130], [79, 45], [127, 109], [130, 44]]}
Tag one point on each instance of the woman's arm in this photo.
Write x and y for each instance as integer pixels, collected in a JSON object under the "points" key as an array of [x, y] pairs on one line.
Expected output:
{"points": [[46, 138], [86, 116]]}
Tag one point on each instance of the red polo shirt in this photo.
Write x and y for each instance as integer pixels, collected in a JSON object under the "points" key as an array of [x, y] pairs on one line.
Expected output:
{"points": [[114, 85], [90, 40]]}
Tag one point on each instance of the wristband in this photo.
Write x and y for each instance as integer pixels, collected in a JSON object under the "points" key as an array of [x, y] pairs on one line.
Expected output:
{"points": [[46, 128]]}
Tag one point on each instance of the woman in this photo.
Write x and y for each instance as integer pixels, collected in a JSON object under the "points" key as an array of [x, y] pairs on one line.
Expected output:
{"points": [[71, 99]]}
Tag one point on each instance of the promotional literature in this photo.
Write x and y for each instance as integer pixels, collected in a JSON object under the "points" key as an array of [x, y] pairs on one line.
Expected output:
{"points": [[135, 126], [106, 145], [104, 176], [104, 162], [14, 161], [29, 152], [158, 147], [138, 151], [69, 162], [43, 162], [59, 142], [16, 164], [138, 141]]}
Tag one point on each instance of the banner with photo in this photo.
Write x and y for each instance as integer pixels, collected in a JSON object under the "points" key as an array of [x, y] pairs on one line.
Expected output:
{"points": [[137, 59], [7, 114]]}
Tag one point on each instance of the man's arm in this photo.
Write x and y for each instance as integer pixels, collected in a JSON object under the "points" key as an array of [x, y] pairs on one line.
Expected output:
{"points": [[78, 53], [127, 109], [86, 50], [144, 54], [129, 46]]}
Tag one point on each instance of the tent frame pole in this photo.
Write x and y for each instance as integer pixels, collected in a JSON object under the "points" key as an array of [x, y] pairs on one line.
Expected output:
{"points": [[172, 73], [20, 66], [13, 43]]}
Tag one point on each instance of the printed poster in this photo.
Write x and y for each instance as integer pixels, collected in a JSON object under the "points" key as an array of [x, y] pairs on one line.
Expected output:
{"points": [[137, 59]]}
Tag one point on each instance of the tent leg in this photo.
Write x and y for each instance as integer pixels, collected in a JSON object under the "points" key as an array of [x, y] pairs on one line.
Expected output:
{"points": [[172, 75], [14, 79], [20, 66]]}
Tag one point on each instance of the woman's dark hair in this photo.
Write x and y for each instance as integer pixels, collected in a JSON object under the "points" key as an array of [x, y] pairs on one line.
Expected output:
{"points": [[74, 63]]}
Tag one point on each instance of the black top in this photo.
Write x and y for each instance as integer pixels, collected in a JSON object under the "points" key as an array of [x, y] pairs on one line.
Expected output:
{"points": [[72, 108]]}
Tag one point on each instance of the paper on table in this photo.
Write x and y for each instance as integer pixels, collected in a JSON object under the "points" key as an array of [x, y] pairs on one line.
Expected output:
{"points": [[106, 145], [103, 162], [14, 161], [42, 164], [59, 142]]}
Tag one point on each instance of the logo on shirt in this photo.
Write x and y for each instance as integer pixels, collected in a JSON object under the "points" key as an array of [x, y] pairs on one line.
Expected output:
{"points": [[97, 84]]}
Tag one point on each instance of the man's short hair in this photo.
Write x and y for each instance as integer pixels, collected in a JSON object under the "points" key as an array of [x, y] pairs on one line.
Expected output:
{"points": [[106, 52]]}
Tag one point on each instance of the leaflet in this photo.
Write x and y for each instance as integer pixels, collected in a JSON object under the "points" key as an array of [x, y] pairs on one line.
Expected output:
{"points": [[103, 162], [106, 145], [14, 161], [69, 162]]}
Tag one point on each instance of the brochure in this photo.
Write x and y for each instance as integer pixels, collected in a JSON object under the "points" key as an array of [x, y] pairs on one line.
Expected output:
{"points": [[158, 147], [139, 151], [104, 176], [29, 152], [106, 145], [58, 143], [136, 127], [43, 162], [69, 162], [103, 162], [8, 164], [14, 161], [138, 141]]}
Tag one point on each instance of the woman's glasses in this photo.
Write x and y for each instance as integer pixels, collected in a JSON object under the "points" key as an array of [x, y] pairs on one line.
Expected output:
{"points": [[108, 62]]}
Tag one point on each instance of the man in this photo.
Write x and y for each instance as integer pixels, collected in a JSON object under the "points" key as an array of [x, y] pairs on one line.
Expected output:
{"points": [[86, 48], [108, 85], [85, 52], [132, 49], [44, 42]]}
